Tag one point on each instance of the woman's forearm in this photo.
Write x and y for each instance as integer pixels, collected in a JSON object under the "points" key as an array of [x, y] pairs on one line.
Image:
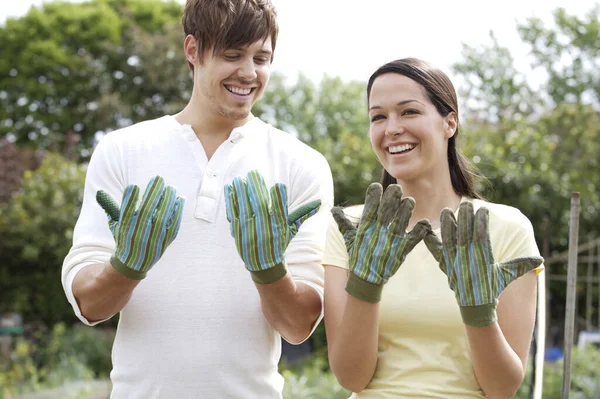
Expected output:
{"points": [[498, 369], [353, 348]]}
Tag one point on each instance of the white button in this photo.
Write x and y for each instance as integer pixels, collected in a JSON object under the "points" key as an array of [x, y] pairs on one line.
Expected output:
{"points": [[210, 173], [235, 137]]}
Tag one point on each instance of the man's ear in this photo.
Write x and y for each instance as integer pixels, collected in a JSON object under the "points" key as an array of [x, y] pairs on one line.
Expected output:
{"points": [[190, 47], [450, 124]]}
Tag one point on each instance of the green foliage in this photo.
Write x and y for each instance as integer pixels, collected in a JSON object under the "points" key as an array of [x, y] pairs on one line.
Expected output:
{"points": [[585, 376], [50, 359], [87, 67], [311, 379], [36, 230], [568, 53], [537, 145], [332, 118]]}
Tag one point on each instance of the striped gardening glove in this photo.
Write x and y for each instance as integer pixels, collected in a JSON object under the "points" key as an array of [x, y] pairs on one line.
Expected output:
{"points": [[465, 256], [380, 244], [142, 234], [260, 225]]}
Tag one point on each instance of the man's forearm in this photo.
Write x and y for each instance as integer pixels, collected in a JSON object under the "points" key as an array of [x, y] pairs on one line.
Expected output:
{"points": [[290, 307], [101, 291], [498, 369]]}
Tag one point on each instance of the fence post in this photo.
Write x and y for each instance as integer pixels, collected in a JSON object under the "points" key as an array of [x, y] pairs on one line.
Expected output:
{"points": [[571, 292]]}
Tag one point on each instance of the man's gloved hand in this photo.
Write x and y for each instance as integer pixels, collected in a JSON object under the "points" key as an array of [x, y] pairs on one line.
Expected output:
{"points": [[465, 256], [261, 226], [380, 244], [142, 234]]}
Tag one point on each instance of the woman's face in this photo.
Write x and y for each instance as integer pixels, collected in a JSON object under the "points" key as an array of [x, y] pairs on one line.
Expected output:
{"points": [[407, 132]]}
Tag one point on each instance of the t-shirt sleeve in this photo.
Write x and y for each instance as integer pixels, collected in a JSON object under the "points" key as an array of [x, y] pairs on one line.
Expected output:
{"points": [[304, 254], [335, 248], [518, 238], [93, 242]]}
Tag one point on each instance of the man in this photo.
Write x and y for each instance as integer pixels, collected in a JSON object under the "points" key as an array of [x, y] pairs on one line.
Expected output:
{"points": [[216, 184]]}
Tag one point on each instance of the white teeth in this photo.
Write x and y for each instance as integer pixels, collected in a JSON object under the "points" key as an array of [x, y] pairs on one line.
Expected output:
{"points": [[400, 148], [238, 90]]}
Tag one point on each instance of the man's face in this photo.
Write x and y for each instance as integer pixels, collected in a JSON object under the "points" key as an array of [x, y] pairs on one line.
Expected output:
{"points": [[231, 81]]}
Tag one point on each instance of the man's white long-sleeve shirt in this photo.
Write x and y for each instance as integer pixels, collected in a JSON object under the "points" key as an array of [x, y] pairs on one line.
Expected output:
{"points": [[194, 327]]}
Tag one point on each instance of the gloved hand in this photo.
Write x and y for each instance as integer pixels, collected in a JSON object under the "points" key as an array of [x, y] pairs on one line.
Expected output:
{"points": [[465, 256], [261, 226], [380, 244], [142, 234]]}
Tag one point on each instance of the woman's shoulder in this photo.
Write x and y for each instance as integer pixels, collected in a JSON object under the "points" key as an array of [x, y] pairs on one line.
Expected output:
{"points": [[354, 213], [505, 215]]}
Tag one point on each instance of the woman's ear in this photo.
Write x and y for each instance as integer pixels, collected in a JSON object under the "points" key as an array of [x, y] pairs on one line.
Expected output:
{"points": [[450, 124]]}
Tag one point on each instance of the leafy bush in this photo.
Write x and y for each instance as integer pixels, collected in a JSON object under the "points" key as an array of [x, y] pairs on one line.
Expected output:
{"points": [[312, 379], [47, 359], [36, 229], [585, 376]]}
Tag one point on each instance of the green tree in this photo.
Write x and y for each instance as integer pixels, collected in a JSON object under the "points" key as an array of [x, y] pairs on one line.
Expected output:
{"points": [[332, 118], [568, 54], [537, 145], [36, 231], [76, 69]]}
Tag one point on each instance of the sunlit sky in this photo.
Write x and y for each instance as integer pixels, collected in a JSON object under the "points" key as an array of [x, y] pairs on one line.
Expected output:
{"points": [[350, 39]]}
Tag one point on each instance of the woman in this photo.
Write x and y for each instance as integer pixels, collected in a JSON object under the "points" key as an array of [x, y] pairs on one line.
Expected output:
{"points": [[413, 278]]}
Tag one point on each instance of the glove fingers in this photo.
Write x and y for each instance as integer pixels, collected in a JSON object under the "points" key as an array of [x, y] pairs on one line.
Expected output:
{"points": [[130, 201], [240, 187], [449, 232], [418, 233], [152, 196], [372, 200], [434, 245], [349, 238], [305, 211], [174, 220], [258, 193], [279, 205], [481, 227], [390, 204], [231, 203], [513, 269], [407, 205], [465, 223], [301, 214], [165, 206], [109, 205], [344, 225]]}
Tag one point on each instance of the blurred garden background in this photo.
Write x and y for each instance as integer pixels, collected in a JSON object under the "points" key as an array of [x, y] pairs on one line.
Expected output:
{"points": [[73, 71]]}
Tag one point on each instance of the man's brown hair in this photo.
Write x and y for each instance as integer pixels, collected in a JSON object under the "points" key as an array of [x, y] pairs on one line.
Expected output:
{"points": [[219, 25]]}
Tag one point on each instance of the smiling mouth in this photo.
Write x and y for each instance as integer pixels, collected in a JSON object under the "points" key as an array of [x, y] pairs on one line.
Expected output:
{"points": [[401, 149], [240, 91]]}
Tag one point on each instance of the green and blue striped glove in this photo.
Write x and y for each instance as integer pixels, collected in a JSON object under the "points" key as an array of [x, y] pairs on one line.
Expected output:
{"points": [[261, 226], [465, 256], [380, 244], [142, 234]]}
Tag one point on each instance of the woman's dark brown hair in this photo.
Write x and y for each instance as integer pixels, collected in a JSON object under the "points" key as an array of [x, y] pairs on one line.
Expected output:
{"points": [[442, 94]]}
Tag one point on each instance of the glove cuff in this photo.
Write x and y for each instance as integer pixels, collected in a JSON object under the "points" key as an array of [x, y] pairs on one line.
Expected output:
{"points": [[270, 275], [363, 290], [479, 316], [126, 271]]}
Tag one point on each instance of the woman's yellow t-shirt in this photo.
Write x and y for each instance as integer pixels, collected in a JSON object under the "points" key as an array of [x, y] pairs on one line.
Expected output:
{"points": [[423, 351]]}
